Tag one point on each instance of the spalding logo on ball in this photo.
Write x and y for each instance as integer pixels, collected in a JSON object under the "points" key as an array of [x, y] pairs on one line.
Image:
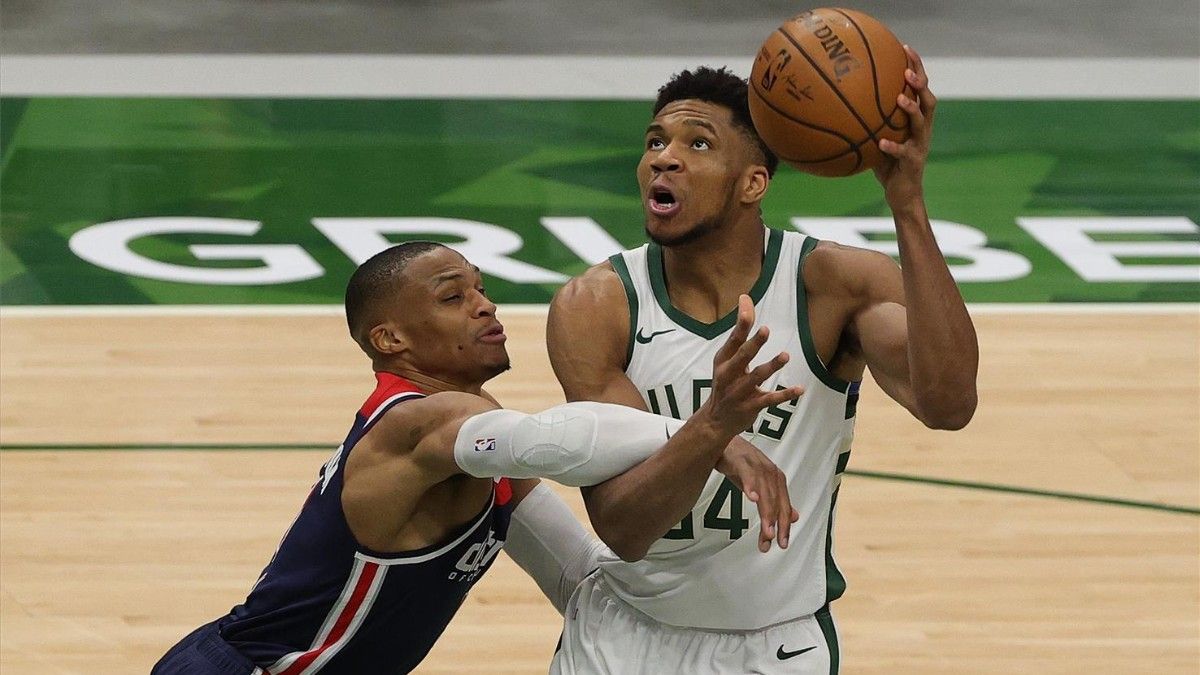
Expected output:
{"points": [[823, 91]]}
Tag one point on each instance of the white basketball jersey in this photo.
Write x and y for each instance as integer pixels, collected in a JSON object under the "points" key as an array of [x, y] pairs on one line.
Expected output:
{"points": [[707, 572]]}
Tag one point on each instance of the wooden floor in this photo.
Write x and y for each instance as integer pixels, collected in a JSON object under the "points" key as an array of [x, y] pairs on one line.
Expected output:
{"points": [[107, 556]]}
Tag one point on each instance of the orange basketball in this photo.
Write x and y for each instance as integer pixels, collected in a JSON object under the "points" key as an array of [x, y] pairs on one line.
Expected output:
{"points": [[823, 91]]}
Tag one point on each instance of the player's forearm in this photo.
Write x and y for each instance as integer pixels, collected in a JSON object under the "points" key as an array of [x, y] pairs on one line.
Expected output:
{"points": [[546, 541], [943, 351], [634, 510], [579, 443]]}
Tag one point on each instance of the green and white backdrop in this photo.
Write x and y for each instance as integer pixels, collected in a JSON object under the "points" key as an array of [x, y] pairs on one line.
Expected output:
{"points": [[227, 180]]}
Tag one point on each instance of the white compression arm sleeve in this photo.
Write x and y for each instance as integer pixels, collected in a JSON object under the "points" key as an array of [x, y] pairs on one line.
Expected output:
{"points": [[578, 444], [547, 541]]}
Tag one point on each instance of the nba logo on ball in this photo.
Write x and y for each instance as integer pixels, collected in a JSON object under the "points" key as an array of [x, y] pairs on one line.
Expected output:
{"points": [[485, 444]]}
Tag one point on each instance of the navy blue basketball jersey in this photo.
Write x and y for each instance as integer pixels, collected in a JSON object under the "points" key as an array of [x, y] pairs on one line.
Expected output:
{"points": [[325, 604]]}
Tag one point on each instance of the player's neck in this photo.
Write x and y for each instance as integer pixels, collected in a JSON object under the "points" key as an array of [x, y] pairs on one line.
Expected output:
{"points": [[705, 277], [431, 384]]}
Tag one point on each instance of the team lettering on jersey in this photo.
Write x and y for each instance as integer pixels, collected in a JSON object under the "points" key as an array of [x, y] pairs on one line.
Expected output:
{"points": [[476, 558], [772, 422], [331, 467]]}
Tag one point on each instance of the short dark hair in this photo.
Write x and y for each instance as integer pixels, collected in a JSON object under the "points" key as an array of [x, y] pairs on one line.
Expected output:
{"points": [[377, 279], [722, 87]]}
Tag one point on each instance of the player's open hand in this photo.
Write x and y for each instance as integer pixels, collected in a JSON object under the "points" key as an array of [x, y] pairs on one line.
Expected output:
{"points": [[736, 397], [902, 175], [759, 479]]}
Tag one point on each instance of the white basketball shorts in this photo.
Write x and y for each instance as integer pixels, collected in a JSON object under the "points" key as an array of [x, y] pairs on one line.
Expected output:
{"points": [[604, 635]]}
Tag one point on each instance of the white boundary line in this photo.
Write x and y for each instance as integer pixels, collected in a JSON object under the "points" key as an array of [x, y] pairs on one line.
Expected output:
{"points": [[545, 77], [89, 311]]}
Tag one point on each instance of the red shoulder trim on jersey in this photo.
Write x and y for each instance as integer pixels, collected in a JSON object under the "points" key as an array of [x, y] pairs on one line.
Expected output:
{"points": [[503, 492], [387, 385]]}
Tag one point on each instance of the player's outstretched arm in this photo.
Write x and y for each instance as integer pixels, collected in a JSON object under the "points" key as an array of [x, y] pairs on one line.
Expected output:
{"points": [[917, 333], [577, 444], [635, 509], [426, 441], [548, 542]]}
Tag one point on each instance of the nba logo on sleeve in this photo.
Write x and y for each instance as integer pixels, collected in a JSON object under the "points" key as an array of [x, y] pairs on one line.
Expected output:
{"points": [[485, 445]]}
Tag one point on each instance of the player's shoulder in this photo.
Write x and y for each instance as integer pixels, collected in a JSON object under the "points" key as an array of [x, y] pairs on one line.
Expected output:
{"points": [[402, 427], [589, 318], [837, 268], [599, 288]]}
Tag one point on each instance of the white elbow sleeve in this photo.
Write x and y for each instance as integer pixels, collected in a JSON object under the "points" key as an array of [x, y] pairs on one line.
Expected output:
{"points": [[576, 444]]}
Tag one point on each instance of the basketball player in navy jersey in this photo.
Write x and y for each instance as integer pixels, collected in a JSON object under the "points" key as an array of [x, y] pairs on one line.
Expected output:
{"points": [[415, 504]]}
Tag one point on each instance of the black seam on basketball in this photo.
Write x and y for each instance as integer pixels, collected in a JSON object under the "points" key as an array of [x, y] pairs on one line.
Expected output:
{"points": [[790, 38], [874, 69], [853, 146], [887, 120], [858, 159], [797, 120]]}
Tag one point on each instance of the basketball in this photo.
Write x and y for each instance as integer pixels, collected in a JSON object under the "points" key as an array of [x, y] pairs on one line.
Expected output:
{"points": [[823, 91]]}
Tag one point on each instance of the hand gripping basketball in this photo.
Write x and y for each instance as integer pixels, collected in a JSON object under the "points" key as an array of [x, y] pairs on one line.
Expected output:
{"points": [[902, 174]]}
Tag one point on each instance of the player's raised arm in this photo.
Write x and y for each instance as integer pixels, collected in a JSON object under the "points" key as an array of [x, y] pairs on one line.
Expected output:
{"points": [[633, 510], [915, 332]]}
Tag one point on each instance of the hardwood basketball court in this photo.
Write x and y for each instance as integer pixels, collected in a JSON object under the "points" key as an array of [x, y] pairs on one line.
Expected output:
{"points": [[958, 557]]}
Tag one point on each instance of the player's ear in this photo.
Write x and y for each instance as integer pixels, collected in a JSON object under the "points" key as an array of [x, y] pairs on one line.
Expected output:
{"points": [[755, 180], [387, 338]]}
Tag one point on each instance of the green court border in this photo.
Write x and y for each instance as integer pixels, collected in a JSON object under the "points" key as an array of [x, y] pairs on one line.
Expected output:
{"points": [[879, 475]]}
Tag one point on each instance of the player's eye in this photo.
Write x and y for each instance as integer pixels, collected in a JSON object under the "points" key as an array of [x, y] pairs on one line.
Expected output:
{"points": [[700, 144], [655, 144], [482, 291], [455, 297]]}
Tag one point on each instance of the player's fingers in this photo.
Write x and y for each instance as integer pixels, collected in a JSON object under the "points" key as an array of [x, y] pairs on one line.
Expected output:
{"points": [[918, 129], [768, 399], [915, 60], [784, 525], [748, 350], [890, 148], [741, 329], [748, 486], [768, 517], [919, 80], [764, 498], [916, 117], [760, 373]]}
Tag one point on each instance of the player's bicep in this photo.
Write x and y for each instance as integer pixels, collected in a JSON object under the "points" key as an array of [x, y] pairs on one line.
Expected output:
{"points": [[883, 336], [430, 427], [880, 322]]}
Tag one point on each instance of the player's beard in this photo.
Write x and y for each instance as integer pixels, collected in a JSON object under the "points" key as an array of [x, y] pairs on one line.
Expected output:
{"points": [[495, 369]]}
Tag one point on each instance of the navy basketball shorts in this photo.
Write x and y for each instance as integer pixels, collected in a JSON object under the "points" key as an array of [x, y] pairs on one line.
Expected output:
{"points": [[204, 652]]}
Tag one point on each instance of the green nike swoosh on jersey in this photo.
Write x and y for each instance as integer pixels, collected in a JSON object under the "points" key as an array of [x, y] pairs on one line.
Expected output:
{"points": [[783, 656], [645, 339]]}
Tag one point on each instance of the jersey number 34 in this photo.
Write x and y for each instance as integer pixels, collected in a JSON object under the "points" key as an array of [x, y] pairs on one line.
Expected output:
{"points": [[734, 523]]}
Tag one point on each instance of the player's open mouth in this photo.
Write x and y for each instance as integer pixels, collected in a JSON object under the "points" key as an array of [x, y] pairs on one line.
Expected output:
{"points": [[662, 202]]}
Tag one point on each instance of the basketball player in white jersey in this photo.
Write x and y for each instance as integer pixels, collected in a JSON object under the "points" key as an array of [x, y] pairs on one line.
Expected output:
{"points": [[687, 590]]}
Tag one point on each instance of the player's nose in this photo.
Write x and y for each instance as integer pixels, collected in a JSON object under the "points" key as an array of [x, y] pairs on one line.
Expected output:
{"points": [[484, 306], [666, 161]]}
